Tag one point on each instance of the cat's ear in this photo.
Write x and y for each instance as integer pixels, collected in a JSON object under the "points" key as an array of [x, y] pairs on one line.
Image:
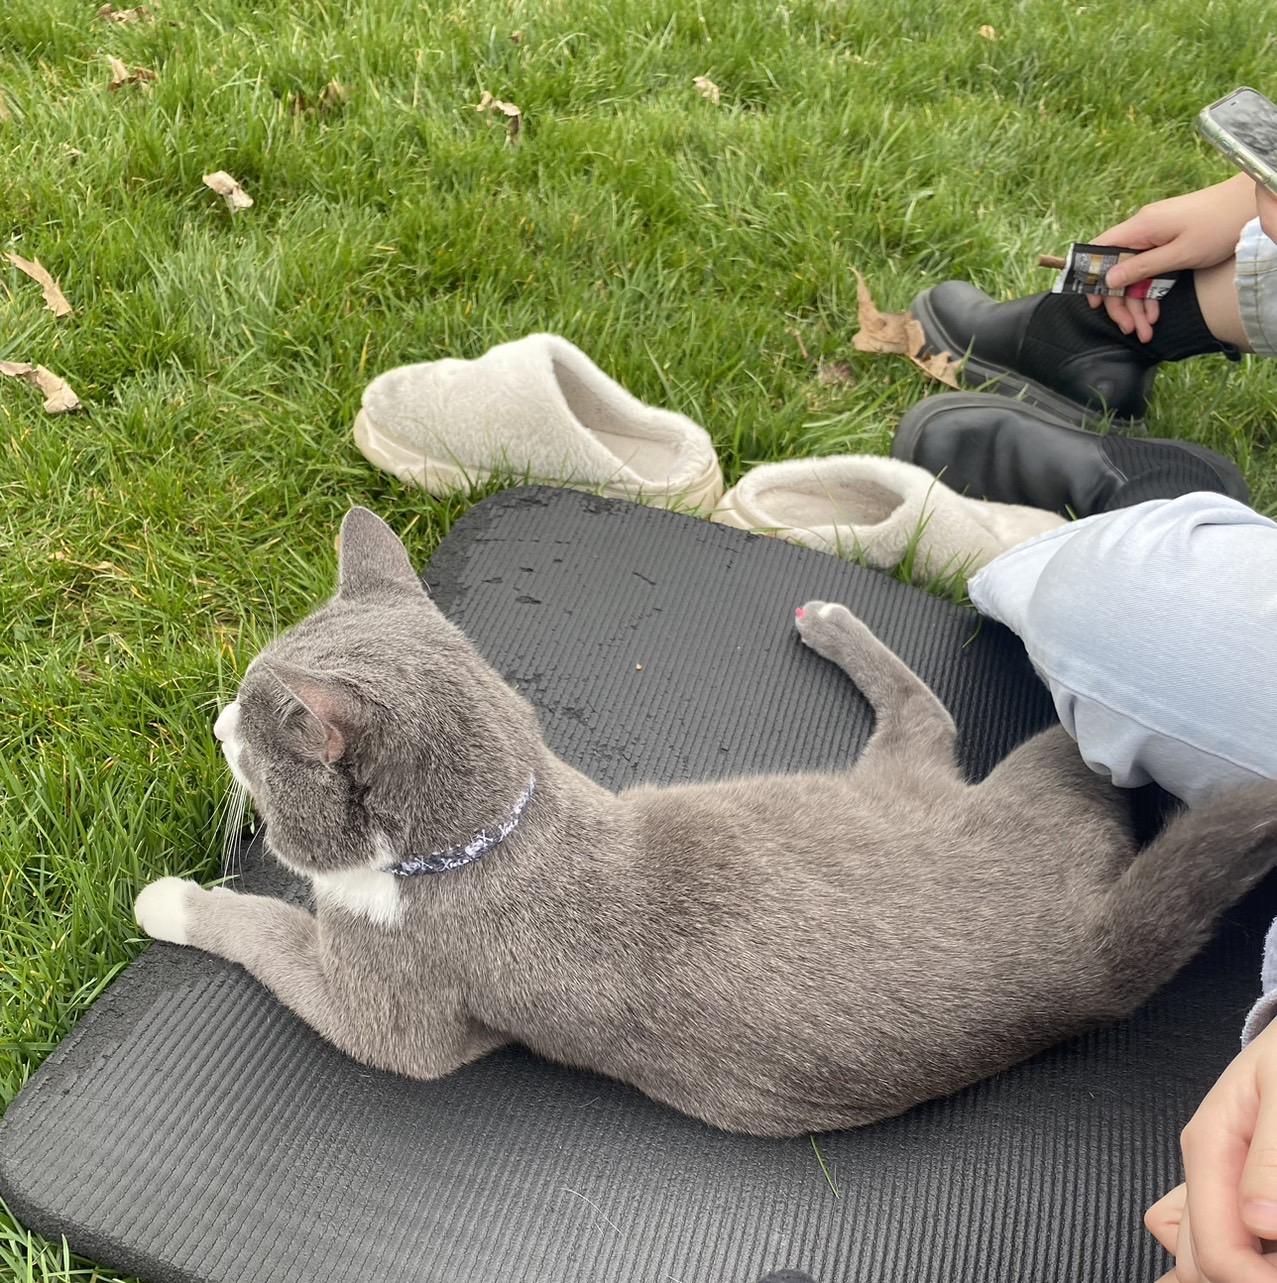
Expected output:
{"points": [[372, 558], [329, 714]]}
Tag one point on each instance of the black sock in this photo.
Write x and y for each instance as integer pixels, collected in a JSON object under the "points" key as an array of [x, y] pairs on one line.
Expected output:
{"points": [[1181, 330], [1067, 323]]}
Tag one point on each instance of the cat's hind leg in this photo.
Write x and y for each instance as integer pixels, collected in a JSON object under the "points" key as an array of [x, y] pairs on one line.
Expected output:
{"points": [[910, 723], [1043, 785], [1046, 774], [1165, 905]]}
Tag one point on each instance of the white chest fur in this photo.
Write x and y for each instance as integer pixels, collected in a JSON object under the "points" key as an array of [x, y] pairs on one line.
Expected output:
{"points": [[366, 893]]}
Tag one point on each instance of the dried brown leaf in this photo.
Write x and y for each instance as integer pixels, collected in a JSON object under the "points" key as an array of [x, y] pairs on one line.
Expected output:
{"points": [[5, 114], [225, 186], [58, 397], [516, 37], [54, 299], [110, 13], [899, 332], [941, 366], [833, 374], [514, 115], [708, 89], [121, 75], [879, 331], [988, 32]]}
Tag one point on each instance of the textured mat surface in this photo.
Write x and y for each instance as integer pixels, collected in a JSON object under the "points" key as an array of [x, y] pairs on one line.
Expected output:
{"points": [[191, 1129]]}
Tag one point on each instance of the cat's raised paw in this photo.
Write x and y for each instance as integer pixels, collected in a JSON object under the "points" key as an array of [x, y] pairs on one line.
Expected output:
{"points": [[827, 626], [162, 909]]}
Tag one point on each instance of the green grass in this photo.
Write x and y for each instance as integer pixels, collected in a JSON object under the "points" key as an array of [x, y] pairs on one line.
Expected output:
{"points": [[701, 254]]}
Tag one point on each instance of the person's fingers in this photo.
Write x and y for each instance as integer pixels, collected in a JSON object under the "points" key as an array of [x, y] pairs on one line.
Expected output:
{"points": [[1141, 267], [1214, 1145], [1139, 315], [1186, 1270], [1120, 314], [1130, 315], [1257, 1192], [1162, 1220]]}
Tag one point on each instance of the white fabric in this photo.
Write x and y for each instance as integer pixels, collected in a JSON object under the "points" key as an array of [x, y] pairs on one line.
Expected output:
{"points": [[1262, 1013], [538, 406], [881, 509], [1256, 277], [1155, 628]]}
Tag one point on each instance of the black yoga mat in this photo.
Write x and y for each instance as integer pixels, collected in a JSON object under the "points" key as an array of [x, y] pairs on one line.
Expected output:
{"points": [[191, 1129]]}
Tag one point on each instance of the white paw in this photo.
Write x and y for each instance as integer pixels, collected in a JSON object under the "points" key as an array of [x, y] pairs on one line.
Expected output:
{"points": [[162, 911], [810, 611], [830, 629], [820, 616]]}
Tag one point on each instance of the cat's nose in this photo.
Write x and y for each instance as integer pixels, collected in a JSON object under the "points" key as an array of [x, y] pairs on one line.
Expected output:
{"points": [[227, 721]]}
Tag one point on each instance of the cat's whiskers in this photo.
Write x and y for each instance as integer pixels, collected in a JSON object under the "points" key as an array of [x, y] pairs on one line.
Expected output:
{"points": [[223, 822], [217, 821], [236, 804]]}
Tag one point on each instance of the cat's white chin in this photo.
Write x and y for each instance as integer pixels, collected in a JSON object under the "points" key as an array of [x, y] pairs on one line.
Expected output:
{"points": [[162, 909]]}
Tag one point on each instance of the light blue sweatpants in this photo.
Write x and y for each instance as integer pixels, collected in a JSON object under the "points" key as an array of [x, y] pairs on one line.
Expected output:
{"points": [[1155, 628]]}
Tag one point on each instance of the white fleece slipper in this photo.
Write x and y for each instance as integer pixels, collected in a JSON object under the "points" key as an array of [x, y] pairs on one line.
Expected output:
{"points": [[879, 509], [540, 408]]}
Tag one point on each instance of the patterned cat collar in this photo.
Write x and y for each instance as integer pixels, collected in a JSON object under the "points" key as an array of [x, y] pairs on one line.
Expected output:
{"points": [[457, 857]]}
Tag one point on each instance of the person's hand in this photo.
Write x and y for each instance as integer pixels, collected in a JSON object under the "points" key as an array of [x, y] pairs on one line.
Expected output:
{"points": [[1266, 204], [1199, 229], [1166, 1221], [1219, 1223]]}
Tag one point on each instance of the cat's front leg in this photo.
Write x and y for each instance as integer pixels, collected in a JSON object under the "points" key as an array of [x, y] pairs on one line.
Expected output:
{"points": [[277, 942], [279, 945]]}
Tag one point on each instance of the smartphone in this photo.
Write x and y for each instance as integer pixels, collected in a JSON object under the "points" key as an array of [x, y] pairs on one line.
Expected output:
{"points": [[1243, 125]]}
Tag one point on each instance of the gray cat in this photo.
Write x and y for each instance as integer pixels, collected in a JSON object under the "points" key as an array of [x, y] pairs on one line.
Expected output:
{"points": [[773, 955]]}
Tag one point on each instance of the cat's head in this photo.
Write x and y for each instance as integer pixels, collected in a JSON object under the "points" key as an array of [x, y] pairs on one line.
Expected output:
{"points": [[372, 730]]}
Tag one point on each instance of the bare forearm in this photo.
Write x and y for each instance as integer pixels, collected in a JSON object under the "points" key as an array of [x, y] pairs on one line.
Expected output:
{"points": [[1236, 203]]}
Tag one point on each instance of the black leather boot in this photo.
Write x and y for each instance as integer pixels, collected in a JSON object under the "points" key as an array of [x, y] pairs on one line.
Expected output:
{"points": [[991, 448], [1058, 353]]}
